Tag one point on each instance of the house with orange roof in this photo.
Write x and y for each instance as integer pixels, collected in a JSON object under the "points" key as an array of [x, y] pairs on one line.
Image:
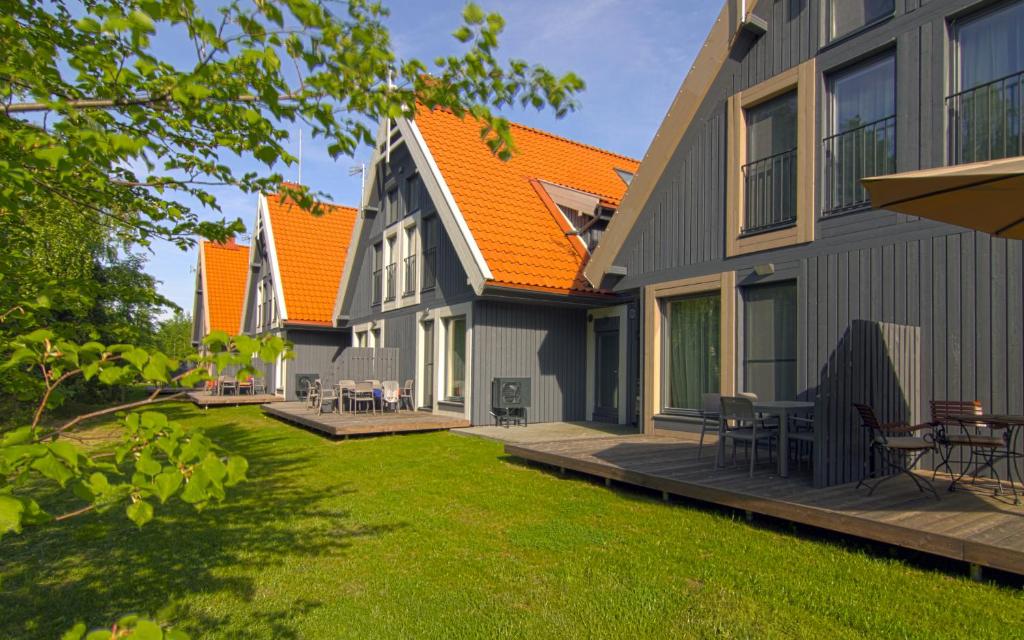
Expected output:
{"points": [[292, 278], [220, 288], [473, 268]]}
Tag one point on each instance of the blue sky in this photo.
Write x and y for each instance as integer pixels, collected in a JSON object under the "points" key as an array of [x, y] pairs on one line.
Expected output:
{"points": [[633, 55]]}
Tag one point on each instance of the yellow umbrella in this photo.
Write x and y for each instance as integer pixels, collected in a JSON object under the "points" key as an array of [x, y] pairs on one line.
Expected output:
{"points": [[987, 196]]}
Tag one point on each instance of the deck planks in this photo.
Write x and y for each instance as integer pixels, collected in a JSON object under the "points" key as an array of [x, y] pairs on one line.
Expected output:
{"points": [[362, 424], [205, 399], [969, 525]]}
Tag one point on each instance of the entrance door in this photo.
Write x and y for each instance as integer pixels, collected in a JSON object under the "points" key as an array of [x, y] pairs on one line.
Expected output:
{"points": [[428, 364], [606, 369]]}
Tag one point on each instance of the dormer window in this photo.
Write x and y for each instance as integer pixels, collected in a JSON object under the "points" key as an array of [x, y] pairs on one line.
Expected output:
{"points": [[626, 176]]}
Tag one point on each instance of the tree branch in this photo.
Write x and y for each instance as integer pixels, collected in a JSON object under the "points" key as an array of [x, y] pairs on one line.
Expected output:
{"points": [[109, 410], [115, 103]]}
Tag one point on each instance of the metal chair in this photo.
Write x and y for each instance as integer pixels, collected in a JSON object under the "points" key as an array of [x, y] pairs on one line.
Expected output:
{"points": [[407, 396], [363, 395], [326, 396], [258, 386], [390, 395], [968, 434], [225, 383], [709, 416], [740, 423], [310, 393], [895, 438], [345, 389]]}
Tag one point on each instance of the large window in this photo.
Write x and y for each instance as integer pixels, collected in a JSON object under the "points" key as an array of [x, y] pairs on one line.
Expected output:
{"points": [[409, 261], [771, 170], [770, 341], [455, 359], [693, 349], [846, 16], [862, 128], [986, 121], [389, 270]]}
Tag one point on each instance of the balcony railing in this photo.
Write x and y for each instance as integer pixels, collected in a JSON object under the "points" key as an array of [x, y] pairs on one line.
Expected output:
{"points": [[868, 150], [378, 275], [769, 192], [389, 282], [986, 122], [429, 280], [409, 276]]}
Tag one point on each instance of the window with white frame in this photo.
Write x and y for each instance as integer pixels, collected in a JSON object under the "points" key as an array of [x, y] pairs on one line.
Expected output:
{"points": [[259, 305], [409, 261], [455, 359]]}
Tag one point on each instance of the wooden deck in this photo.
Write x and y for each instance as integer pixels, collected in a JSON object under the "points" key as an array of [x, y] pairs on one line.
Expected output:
{"points": [[361, 424], [970, 525], [205, 399]]}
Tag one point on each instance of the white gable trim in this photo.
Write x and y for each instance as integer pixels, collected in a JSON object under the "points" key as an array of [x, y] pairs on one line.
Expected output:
{"points": [[263, 211], [357, 228], [448, 210], [206, 289]]}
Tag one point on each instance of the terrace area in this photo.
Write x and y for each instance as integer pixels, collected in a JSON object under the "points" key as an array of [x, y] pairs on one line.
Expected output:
{"points": [[361, 424], [970, 525]]}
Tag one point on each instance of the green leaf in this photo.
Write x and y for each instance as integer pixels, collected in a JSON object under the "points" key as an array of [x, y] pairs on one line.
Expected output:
{"points": [[166, 484], [51, 467], [111, 375], [138, 357], [21, 435], [76, 632], [147, 465], [473, 14], [237, 467], [11, 510], [53, 155], [140, 512]]}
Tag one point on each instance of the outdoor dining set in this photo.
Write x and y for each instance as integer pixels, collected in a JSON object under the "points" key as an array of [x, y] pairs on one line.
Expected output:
{"points": [[366, 396], [984, 443], [231, 385]]}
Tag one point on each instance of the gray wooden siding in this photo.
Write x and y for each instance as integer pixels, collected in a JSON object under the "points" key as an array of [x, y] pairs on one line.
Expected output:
{"points": [[545, 344], [400, 333], [261, 271], [963, 290], [315, 352]]}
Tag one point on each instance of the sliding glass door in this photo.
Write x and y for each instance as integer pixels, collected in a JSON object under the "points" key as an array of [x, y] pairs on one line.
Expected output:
{"points": [[692, 350]]}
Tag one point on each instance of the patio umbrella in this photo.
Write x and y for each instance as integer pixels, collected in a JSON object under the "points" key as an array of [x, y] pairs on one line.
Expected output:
{"points": [[987, 196]]}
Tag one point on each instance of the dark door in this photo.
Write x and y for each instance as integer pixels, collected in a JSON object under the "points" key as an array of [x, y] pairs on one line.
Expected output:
{"points": [[428, 364], [606, 369]]}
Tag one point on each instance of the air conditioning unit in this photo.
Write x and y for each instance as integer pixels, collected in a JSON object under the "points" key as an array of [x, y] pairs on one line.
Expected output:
{"points": [[510, 393]]}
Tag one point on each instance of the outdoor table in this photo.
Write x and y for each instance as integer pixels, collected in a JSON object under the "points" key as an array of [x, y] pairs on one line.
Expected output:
{"points": [[1011, 426], [782, 409]]}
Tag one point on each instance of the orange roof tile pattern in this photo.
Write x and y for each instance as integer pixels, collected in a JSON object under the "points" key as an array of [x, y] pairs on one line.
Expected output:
{"points": [[310, 256], [226, 267], [522, 241]]}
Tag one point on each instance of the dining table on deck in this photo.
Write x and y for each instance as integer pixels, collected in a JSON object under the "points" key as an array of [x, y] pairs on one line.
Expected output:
{"points": [[1011, 426], [783, 410]]}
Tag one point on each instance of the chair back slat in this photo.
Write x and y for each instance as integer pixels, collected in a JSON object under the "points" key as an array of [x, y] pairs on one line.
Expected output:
{"points": [[944, 410], [736, 408]]}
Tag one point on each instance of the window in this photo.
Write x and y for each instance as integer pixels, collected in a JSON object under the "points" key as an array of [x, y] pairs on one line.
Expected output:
{"points": [[846, 16], [409, 263], [378, 272], [259, 305], [413, 187], [769, 341], [391, 213], [389, 270], [429, 239], [986, 121], [455, 359], [360, 338], [692, 349], [772, 145], [771, 170], [862, 126]]}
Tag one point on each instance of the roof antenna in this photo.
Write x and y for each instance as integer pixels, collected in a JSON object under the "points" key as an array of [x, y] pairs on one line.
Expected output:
{"points": [[359, 169], [387, 153]]}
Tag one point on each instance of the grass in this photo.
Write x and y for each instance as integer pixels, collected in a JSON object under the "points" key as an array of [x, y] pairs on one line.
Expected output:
{"points": [[437, 535]]}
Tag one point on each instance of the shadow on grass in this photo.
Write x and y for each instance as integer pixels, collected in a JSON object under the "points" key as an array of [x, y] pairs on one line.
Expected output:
{"points": [[99, 567], [847, 542]]}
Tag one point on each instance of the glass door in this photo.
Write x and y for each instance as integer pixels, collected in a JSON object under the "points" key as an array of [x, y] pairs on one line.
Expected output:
{"points": [[606, 370], [428, 364], [770, 341]]}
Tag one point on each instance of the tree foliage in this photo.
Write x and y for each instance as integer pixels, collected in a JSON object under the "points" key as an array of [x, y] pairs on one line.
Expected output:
{"points": [[95, 117], [174, 335]]}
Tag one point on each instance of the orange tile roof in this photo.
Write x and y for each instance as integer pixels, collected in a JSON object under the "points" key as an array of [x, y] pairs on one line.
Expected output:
{"points": [[225, 268], [310, 256], [521, 238]]}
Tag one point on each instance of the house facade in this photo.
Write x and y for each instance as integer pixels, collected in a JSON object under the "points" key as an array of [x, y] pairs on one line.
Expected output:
{"points": [[290, 284], [472, 268], [751, 249], [221, 270]]}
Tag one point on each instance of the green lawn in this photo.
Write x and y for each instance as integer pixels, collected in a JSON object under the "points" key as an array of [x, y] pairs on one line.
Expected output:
{"points": [[437, 535]]}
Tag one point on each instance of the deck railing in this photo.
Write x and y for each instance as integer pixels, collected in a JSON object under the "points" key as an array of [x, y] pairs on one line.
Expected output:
{"points": [[389, 282], [987, 122], [409, 276], [769, 192], [868, 150], [429, 269]]}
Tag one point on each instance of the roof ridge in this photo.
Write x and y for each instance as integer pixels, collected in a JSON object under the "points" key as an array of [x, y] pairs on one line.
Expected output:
{"points": [[223, 245], [323, 202]]}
